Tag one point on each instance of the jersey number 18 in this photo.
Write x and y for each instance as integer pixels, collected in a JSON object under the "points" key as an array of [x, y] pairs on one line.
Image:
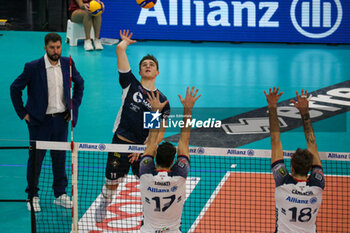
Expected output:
{"points": [[304, 214]]}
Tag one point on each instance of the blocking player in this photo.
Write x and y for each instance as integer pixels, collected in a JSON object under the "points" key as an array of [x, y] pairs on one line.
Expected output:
{"points": [[128, 127], [163, 186], [297, 196]]}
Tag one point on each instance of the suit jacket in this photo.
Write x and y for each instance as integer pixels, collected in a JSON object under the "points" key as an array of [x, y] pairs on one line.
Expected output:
{"points": [[35, 79]]}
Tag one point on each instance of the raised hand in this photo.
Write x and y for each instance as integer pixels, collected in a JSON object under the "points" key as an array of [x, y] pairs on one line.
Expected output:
{"points": [[302, 103], [126, 36], [190, 98], [273, 97], [155, 102]]}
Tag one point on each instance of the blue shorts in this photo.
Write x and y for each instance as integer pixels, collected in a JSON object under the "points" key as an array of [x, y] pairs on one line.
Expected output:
{"points": [[118, 164]]}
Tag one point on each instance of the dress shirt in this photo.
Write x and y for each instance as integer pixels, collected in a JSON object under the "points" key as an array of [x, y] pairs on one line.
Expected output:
{"points": [[56, 102]]}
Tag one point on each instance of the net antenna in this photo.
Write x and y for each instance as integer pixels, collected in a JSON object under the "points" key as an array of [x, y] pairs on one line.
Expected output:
{"points": [[74, 160]]}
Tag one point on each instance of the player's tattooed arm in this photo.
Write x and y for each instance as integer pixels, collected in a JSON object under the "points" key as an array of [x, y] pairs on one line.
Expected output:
{"points": [[309, 132], [302, 104]]}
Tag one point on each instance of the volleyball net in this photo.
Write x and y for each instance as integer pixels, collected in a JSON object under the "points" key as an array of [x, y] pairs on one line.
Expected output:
{"points": [[227, 190]]}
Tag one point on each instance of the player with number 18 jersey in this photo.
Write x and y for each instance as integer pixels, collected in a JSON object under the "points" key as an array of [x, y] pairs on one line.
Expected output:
{"points": [[297, 201]]}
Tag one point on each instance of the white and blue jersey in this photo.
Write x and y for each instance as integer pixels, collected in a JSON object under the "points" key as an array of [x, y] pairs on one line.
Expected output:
{"points": [[163, 194], [297, 202], [129, 121]]}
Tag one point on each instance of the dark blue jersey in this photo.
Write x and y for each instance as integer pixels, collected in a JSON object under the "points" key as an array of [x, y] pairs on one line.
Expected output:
{"points": [[129, 122]]}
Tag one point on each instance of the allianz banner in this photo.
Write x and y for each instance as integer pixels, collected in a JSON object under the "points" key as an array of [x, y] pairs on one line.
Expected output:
{"points": [[307, 21]]}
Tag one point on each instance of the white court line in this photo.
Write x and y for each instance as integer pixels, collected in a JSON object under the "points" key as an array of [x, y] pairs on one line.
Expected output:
{"points": [[207, 205]]}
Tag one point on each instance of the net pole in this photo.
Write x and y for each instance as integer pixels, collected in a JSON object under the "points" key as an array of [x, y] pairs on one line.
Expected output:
{"points": [[32, 187], [74, 189], [74, 160]]}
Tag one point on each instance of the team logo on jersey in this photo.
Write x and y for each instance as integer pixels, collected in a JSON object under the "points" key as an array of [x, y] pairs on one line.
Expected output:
{"points": [[115, 163], [116, 154], [282, 171], [138, 97], [181, 163], [151, 120], [313, 200], [146, 161], [157, 190], [173, 189], [318, 176], [296, 200]]}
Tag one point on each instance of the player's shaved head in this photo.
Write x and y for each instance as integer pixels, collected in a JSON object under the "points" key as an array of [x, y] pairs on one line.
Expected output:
{"points": [[165, 154], [301, 161]]}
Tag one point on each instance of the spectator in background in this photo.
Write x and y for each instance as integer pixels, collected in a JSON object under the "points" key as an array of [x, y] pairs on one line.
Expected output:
{"points": [[80, 13]]}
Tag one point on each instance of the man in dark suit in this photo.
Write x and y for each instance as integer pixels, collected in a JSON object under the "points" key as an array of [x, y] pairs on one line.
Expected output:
{"points": [[47, 113]]}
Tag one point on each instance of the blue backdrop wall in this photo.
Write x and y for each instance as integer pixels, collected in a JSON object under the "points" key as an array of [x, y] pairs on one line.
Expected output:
{"points": [[306, 21]]}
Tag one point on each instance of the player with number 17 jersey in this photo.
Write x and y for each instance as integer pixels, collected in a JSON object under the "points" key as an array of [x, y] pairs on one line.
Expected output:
{"points": [[163, 194]]}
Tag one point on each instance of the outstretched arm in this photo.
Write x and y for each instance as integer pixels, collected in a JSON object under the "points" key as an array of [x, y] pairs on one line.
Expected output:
{"points": [[188, 103], [302, 104], [122, 59], [276, 145], [153, 135]]}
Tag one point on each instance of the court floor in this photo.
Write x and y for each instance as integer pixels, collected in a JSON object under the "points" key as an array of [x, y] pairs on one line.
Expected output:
{"points": [[227, 75]]}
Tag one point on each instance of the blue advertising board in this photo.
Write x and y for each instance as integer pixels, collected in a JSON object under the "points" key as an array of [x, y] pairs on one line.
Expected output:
{"points": [[304, 21]]}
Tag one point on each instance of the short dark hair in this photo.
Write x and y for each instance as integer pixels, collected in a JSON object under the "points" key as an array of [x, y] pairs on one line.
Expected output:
{"points": [[165, 154], [149, 57], [52, 36], [301, 161]]}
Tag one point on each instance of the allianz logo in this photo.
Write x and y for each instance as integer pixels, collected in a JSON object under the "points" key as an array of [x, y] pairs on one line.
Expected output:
{"points": [[199, 150], [87, 146], [136, 148], [305, 15], [100, 147], [338, 156], [317, 18], [138, 98], [240, 152]]}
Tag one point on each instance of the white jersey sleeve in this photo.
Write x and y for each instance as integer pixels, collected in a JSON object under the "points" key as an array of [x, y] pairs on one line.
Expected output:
{"points": [[297, 202]]}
